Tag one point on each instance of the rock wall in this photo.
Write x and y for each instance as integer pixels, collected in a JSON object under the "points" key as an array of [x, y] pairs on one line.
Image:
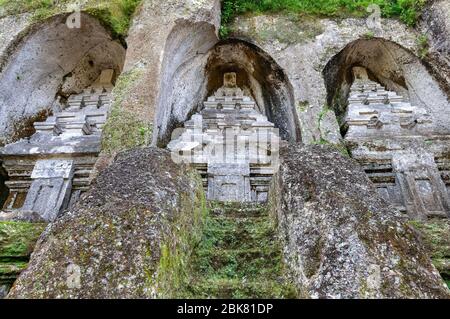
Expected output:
{"points": [[435, 25], [17, 241], [342, 240], [47, 63], [128, 237], [166, 42], [304, 46]]}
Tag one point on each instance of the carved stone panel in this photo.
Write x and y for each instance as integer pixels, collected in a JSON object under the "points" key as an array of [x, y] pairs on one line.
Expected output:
{"points": [[423, 189]]}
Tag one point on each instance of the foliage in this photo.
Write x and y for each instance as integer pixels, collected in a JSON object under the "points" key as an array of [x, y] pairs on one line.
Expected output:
{"points": [[116, 14], [407, 10]]}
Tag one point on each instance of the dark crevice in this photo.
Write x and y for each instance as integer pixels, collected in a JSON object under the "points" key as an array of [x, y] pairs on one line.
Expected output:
{"points": [[4, 191]]}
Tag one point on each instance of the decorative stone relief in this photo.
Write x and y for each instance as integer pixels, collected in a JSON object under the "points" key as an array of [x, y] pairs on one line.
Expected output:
{"points": [[392, 140], [50, 190], [49, 171], [232, 144]]}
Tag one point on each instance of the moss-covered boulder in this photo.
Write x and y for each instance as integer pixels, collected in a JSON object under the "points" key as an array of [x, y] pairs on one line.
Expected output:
{"points": [[128, 237], [342, 240], [17, 241], [436, 236]]}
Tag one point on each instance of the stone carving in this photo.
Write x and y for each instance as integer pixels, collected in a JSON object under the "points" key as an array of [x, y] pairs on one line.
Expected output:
{"points": [[424, 192], [49, 171], [391, 139], [232, 144], [50, 190]]}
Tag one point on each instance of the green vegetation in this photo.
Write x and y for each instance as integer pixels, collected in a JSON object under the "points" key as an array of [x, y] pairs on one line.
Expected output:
{"points": [[124, 129], [239, 256], [407, 10], [115, 14], [17, 241], [424, 46]]}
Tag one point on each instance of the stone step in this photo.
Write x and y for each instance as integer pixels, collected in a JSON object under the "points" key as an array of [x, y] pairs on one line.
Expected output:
{"points": [[242, 233], [237, 209], [235, 264], [220, 288]]}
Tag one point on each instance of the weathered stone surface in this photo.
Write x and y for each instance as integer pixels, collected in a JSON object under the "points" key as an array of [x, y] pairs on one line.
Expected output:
{"points": [[231, 143], [436, 236], [50, 170], [411, 176], [163, 73], [303, 47], [126, 238], [342, 240], [435, 25]]}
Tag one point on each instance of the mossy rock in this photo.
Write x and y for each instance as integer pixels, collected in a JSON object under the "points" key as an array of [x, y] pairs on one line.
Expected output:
{"points": [[17, 239], [436, 236]]}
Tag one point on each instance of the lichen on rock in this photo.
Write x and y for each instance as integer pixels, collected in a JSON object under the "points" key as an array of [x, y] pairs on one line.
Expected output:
{"points": [[342, 240], [127, 238]]}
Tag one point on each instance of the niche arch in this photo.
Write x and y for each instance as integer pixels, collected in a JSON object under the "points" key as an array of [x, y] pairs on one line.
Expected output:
{"points": [[261, 77], [391, 65], [193, 69], [48, 64]]}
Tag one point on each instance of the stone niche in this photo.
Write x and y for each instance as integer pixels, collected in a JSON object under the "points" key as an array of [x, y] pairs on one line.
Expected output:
{"points": [[189, 78], [49, 171], [398, 147], [232, 144], [46, 66]]}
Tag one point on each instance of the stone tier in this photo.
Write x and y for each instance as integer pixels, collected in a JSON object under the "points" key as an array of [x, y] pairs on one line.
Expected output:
{"points": [[232, 145]]}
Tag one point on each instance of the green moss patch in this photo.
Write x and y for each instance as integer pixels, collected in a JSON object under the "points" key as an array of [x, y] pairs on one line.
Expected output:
{"points": [[17, 239], [436, 236], [238, 256], [114, 14], [172, 273]]}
